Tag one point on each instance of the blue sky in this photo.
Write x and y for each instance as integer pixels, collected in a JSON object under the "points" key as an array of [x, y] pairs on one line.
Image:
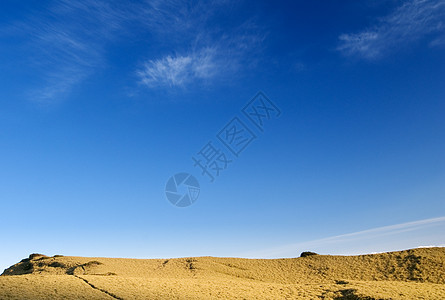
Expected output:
{"points": [[103, 101]]}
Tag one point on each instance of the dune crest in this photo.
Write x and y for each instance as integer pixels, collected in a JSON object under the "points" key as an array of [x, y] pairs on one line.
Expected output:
{"points": [[405, 274]]}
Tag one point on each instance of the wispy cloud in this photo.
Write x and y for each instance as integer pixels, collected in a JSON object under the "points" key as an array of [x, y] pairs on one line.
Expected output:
{"points": [[374, 235], [179, 70], [67, 41], [203, 51], [209, 60], [412, 21]]}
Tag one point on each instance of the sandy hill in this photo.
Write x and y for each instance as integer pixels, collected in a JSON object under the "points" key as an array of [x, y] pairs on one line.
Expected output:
{"points": [[410, 274]]}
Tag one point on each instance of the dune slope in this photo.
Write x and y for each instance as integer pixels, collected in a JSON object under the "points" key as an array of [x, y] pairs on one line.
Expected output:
{"points": [[410, 274]]}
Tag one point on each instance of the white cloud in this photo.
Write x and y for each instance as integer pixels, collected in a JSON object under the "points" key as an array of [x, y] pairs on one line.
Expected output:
{"points": [[412, 21], [67, 42], [179, 70], [209, 60], [205, 52], [374, 236]]}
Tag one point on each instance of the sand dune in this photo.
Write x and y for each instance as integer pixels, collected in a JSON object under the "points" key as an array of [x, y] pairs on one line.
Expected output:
{"points": [[410, 274]]}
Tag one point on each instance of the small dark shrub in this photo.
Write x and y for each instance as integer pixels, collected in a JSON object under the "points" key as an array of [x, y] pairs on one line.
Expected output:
{"points": [[56, 264], [190, 264], [92, 263], [27, 266], [307, 253], [36, 255]]}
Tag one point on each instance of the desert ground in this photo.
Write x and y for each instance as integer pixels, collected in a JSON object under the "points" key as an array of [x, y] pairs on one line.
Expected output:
{"points": [[410, 274]]}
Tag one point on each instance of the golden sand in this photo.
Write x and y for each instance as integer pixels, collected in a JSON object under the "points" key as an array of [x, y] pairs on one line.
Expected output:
{"points": [[410, 274]]}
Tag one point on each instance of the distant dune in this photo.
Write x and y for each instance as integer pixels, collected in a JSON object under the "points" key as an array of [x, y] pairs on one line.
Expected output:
{"points": [[410, 274]]}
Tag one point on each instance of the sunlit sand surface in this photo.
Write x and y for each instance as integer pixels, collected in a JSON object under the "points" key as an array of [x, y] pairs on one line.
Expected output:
{"points": [[410, 274]]}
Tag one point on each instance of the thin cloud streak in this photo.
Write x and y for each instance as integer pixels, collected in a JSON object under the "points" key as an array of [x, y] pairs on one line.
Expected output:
{"points": [[208, 60], [181, 17], [68, 41], [203, 52], [179, 70], [350, 237], [414, 20]]}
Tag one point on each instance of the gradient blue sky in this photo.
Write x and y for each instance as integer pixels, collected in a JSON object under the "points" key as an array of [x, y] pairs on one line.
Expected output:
{"points": [[102, 101]]}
